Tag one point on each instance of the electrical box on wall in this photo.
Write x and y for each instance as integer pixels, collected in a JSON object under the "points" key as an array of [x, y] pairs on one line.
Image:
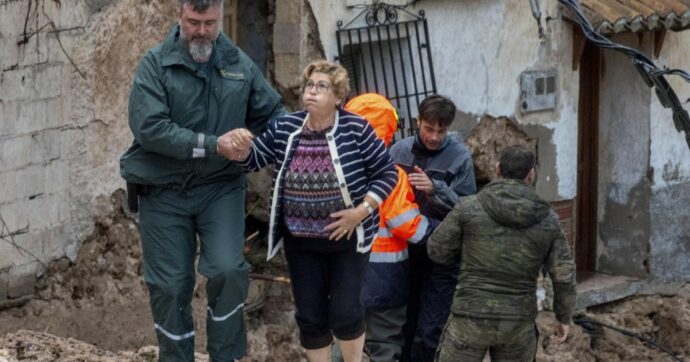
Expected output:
{"points": [[538, 90]]}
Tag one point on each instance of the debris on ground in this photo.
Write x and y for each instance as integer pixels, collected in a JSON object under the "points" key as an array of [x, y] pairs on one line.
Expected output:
{"points": [[96, 309]]}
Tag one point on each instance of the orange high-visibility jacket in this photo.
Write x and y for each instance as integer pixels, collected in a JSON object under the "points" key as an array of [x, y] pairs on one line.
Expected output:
{"points": [[400, 222]]}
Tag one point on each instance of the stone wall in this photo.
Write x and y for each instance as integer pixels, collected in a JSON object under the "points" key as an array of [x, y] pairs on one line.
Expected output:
{"points": [[66, 68]]}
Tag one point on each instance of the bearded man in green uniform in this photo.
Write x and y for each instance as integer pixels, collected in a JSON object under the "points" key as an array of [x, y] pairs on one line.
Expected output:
{"points": [[188, 91], [505, 235]]}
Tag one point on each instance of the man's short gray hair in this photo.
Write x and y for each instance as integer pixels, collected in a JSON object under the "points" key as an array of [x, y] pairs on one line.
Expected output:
{"points": [[201, 5]]}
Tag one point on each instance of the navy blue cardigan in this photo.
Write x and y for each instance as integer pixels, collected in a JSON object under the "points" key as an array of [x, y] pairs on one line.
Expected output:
{"points": [[362, 165]]}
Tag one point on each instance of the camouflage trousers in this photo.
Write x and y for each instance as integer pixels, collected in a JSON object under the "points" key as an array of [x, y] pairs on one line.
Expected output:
{"points": [[469, 339]]}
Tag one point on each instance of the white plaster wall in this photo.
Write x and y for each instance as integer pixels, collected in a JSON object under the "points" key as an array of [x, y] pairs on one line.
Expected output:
{"points": [[670, 154], [479, 49], [624, 114], [670, 159]]}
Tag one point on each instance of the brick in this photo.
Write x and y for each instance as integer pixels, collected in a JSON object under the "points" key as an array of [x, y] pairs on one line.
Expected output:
{"points": [[55, 115], [15, 152], [46, 146], [56, 176], [33, 52], [12, 23], [8, 110], [17, 84], [54, 241], [69, 40], [286, 38], [31, 248], [22, 279], [9, 51], [31, 116], [22, 183], [17, 217], [46, 244], [65, 14], [4, 285], [48, 81], [34, 82], [7, 256], [288, 11], [43, 213], [287, 72]]}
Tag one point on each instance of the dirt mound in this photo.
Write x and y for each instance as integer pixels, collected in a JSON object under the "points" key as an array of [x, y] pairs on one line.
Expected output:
{"points": [[663, 320], [101, 300], [488, 138]]}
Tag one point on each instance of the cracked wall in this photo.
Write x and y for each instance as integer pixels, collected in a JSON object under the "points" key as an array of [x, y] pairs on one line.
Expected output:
{"points": [[670, 165], [477, 63], [624, 147], [63, 105]]}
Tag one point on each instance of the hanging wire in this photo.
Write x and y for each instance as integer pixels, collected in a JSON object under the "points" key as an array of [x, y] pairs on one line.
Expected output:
{"points": [[652, 75], [534, 4]]}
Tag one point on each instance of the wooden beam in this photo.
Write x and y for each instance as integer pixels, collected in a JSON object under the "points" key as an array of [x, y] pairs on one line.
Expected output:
{"points": [[579, 42], [659, 38]]}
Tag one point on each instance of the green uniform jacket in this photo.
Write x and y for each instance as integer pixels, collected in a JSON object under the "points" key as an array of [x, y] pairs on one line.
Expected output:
{"points": [[177, 110], [505, 234]]}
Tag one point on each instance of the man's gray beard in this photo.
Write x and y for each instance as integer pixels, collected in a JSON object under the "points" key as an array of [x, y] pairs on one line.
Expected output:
{"points": [[199, 49]]}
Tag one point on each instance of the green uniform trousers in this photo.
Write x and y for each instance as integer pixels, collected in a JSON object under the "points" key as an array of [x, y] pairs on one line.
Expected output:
{"points": [[468, 339], [170, 220]]}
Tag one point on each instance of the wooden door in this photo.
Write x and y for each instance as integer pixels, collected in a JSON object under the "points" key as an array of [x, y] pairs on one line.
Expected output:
{"points": [[230, 19], [588, 157]]}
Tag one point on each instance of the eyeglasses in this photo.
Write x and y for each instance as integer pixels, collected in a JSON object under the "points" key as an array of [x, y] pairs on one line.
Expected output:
{"points": [[321, 87]]}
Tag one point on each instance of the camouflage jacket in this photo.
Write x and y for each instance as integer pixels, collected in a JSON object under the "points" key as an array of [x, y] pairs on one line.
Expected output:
{"points": [[505, 235]]}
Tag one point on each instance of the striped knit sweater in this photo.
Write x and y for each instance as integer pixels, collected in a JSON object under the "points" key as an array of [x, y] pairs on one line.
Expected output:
{"points": [[361, 161]]}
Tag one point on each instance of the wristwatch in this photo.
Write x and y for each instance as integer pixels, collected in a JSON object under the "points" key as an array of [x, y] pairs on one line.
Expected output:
{"points": [[368, 207]]}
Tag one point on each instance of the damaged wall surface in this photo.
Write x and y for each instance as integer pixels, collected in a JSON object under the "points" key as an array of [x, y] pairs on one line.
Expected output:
{"points": [[479, 49], [63, 109], [63, 104], [480, 70], [624, 186], [670, 163]]}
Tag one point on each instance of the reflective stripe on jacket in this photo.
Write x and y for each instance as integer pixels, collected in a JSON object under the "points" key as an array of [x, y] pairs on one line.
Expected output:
{"points": [[386, 282]]}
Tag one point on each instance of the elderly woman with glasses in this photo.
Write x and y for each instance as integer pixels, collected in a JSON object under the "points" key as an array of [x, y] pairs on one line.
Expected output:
{"points": [[331, 174]]}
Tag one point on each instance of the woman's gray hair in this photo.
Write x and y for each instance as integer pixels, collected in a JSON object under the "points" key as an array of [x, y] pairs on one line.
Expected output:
{"points": [[201, 5]]}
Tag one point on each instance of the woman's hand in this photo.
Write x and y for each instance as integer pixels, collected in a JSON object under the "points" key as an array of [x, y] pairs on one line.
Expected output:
{"points": [[235, 145], [346, 222]]}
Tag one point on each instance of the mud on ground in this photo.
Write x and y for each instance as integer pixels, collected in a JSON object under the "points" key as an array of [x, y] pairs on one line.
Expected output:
{"points": [[96, 309]]}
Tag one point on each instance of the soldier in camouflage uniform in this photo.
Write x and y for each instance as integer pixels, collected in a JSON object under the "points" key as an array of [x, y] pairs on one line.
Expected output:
{"points": [[505, 235]]}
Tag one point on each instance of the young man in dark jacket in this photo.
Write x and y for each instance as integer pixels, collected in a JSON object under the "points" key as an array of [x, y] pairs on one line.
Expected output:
{"points": [[190, 89], [504, 235], [440, 170]]}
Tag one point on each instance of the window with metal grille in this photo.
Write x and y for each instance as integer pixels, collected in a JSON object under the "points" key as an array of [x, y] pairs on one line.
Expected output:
{"points": [[389, 57]]}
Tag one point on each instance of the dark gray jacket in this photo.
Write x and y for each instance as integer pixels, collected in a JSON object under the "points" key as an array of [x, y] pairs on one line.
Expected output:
{"points": [[450, 168]]}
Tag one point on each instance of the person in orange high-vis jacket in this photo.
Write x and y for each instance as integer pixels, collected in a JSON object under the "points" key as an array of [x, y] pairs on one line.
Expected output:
{"points": [[384, 294]]}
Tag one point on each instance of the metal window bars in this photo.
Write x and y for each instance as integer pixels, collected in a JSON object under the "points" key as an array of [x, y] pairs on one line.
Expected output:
{"points": [[390, 57]]}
